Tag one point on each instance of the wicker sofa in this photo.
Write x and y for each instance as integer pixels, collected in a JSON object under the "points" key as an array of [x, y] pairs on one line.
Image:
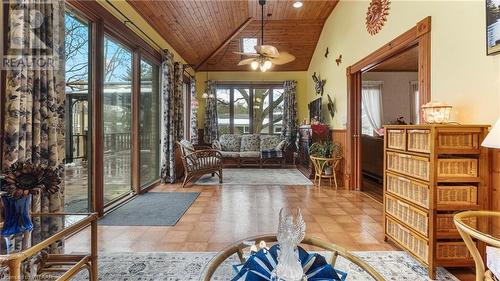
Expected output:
{"points": [[251, 149]]}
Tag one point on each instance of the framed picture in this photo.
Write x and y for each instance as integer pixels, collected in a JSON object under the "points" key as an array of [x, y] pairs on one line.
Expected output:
{"points": [[492, 27]]}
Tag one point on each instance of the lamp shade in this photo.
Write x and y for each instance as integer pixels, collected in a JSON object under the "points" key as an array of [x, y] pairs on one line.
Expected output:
{"points": [[493, 138]]}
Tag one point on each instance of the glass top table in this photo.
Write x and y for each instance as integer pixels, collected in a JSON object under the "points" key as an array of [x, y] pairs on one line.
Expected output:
{"points": [[484, 226], [45, 226], [50, 229]]}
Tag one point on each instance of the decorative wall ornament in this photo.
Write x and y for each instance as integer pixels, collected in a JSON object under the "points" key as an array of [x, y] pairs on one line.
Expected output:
{"points": [[332, 106], [339, 60], [327, 52], [318, 84], [377, 15]]}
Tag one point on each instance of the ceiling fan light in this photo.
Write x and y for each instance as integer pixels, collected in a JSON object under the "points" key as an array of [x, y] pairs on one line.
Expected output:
{"points": [[268, 64], [254, 65], [298, 4]]}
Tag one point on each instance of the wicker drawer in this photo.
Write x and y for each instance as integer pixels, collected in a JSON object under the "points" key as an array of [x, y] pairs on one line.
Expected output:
{"points": [[414, 244], [457, 168], [410, 190], [445, 224], [396, 139], [408, 214], [410, 165], [458, 140], [456, 195], [452, 251], [419, 141]]}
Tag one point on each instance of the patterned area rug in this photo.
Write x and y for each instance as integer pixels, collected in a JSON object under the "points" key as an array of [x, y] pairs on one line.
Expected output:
{"points": [[250, 176], [393, 265]]}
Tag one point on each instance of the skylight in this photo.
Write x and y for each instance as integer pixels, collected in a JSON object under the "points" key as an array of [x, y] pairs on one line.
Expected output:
{"points": [[248, 44]]}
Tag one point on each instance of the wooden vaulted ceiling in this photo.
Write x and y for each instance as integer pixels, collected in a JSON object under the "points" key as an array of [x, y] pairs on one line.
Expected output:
{"points": [[202, 29]]}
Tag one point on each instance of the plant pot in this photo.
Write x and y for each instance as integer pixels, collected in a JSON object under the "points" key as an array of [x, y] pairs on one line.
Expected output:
{"points": [[328, 171], [16, 215]]}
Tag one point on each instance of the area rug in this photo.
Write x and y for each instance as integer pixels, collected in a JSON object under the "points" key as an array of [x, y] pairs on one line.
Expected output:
{"points": [[264, 176], [152, 209], [393, 265]]}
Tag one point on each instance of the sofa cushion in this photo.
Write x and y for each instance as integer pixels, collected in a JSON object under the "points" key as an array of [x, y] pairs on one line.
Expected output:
{"points": [[250, 154], [493, 260], [250, 143], [268, 142], [271, 153], [230, 142], [230, 154]]}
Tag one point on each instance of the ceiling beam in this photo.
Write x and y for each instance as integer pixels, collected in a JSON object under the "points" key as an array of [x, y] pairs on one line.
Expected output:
{"points": [[227, 41]]}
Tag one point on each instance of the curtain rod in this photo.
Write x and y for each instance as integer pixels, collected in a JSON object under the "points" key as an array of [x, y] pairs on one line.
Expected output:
{"points": [[127, 20]]}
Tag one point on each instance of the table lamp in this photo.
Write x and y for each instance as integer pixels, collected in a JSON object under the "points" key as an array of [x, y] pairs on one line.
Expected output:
{"points": [[492, 140]]}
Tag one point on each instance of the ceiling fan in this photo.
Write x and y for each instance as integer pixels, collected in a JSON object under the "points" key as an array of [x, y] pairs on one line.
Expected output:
{"points": [[265, 55]]}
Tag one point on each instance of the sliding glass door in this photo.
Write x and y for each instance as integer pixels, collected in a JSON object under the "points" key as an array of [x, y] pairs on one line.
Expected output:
{"points": [[117, 120], [149, 124], [77, 131]]}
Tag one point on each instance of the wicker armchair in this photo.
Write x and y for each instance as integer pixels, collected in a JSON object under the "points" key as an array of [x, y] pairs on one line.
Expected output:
{"points": [[199, 162]]}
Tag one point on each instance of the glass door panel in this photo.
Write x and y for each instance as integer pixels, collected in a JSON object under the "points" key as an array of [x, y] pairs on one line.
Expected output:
{"points": [[117, 119], [76, 180], [149, 124]]}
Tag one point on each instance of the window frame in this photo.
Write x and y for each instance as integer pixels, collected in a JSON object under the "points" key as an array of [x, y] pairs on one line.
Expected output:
{"points": [[252, 87]]}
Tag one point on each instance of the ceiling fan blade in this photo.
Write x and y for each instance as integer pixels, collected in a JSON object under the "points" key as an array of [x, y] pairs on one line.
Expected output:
{"points": [[283, 58], [246, 61], [267, 51], [246, 54]]}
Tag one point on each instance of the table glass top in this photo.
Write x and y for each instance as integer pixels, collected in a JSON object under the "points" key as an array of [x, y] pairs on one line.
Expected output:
{"points": [[44, 227], [486, 224]]}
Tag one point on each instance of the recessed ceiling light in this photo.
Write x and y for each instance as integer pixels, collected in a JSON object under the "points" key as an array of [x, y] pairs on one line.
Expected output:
{"points": [[297, 4]]}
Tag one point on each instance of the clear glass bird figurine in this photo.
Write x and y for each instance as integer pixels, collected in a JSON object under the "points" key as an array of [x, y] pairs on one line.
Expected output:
{"points": [[291, 231]]}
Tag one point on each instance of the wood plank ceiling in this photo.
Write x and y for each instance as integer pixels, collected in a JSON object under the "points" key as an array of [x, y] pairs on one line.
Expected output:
{"points": [[197, 28]]}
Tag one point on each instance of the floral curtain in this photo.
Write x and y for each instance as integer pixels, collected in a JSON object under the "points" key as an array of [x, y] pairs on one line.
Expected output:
{"points": [[194, 112], [34, 97], [290, 121], [172, 130], [211, 130]]}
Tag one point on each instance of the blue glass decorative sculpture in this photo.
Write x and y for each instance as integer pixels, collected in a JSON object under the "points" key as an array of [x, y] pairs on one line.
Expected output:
{"points": [[17, 215]]}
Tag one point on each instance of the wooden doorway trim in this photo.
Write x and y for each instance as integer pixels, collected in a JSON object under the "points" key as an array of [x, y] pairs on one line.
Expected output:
{"points": [[418, 36]]}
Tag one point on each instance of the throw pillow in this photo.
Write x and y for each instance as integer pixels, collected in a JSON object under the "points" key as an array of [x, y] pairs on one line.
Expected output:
{"points": [[281, 145]]}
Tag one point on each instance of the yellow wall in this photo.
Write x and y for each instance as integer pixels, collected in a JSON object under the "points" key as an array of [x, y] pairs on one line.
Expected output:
{"points": [[248, 76], [138, 20], [461, 73]]}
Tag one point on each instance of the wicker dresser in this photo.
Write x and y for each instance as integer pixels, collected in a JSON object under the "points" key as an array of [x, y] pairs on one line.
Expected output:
{"points": [[432, 172]]}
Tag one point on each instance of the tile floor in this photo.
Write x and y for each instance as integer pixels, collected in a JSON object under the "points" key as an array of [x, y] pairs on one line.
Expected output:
{"points": [[222, 215]]}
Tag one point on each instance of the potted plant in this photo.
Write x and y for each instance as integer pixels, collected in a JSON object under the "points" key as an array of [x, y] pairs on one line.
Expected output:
{"points": [[326, 149]]}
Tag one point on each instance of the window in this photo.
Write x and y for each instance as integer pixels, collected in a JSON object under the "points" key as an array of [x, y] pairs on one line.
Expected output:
{"points": [[248, 44], [149, 124], [371, 107], [117, 119], [77, 34], [246, 109]]}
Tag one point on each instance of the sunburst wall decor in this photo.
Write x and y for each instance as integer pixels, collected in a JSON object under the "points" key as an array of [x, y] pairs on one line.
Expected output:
{"points": [[377, 15]]}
